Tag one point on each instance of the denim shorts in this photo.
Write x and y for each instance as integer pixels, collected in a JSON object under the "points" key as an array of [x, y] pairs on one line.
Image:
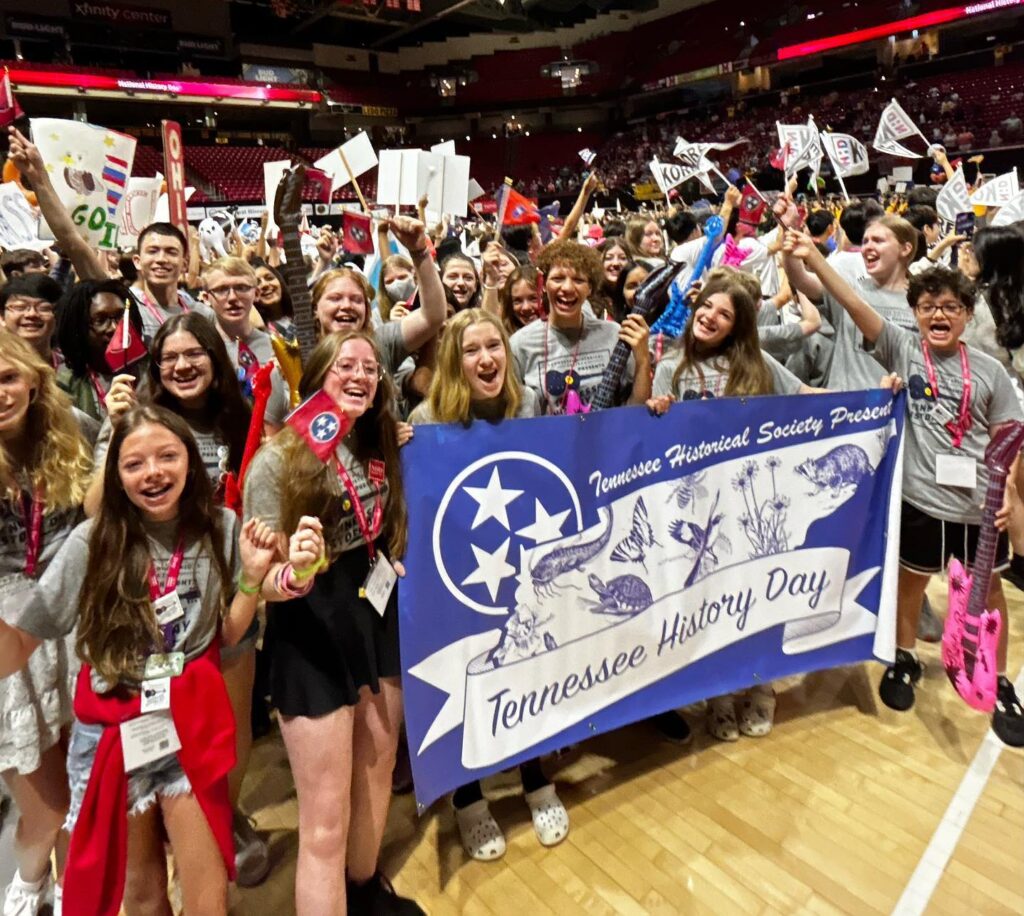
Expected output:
{"points": [[163, 777]]}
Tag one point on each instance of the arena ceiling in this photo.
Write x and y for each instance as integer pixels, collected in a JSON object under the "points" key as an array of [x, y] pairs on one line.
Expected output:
{"points": [[383, 29]]}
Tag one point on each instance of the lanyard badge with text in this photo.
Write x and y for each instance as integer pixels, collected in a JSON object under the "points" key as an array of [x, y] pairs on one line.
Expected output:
{"points": [[380, 580], [168, 609], [954, 470]]}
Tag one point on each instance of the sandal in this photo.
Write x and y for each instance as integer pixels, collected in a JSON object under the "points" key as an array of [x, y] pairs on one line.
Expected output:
{"points": [[722, 718], [481, 836], [757, 711], [550, 819]]}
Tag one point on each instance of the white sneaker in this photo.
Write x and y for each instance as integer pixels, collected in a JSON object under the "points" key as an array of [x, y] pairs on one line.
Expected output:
{"points": [[550, 819], [24, 899], [481, 836]]}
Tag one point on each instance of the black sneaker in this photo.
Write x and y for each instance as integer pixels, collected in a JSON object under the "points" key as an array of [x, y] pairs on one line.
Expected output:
{"points": [[672, 727], [1008, 719], [377, 897], [897, 687]]}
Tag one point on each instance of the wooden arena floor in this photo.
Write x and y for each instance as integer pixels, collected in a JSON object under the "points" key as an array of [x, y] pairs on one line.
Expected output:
{"points": [[831, 813]]}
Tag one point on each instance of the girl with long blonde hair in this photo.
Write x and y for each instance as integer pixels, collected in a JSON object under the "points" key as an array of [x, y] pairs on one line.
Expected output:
{"points": [[44, 469], [335, 665]]}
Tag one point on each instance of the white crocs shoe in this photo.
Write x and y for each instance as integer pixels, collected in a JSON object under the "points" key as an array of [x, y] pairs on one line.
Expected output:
{"points": [[550, 819], [481, 836], [24, 899]]}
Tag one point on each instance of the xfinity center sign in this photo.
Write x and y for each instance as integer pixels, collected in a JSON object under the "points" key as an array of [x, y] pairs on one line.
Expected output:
{"points": [[139, 17]]}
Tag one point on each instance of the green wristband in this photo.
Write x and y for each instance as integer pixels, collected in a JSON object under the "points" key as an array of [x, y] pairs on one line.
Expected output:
{"points": [[300, 575], [248, 589]]}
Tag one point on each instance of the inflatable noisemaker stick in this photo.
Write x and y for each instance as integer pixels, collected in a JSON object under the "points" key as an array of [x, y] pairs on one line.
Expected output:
{"points": [[355, 182], [504, 208], [261, 389]]}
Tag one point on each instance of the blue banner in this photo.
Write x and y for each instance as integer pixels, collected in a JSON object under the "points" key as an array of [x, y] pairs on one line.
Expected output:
{"points": [[570, 575]]}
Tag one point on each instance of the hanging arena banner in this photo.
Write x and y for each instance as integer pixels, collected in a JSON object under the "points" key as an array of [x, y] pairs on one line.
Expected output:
{"points": [[570, 575]]}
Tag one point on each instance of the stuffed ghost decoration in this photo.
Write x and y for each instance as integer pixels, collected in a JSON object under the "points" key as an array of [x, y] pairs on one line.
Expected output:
{"points": [[211, 240]]}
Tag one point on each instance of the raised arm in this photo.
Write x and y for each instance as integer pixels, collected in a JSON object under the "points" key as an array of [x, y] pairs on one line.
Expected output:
{"points": [[800, 247], [27, 158], [799, 278], [423, 323], [592, 183]]}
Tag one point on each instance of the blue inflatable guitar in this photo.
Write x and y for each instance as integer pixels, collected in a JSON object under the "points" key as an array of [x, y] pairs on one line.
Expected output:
{"points": [[674, 318]]}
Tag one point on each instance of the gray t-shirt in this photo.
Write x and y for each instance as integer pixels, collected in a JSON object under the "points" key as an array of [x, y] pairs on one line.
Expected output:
{"points": [[263, 497], [154, 315], [781, 341], [852, 367], [992, 402], [392, 345], [56, 599], [213, 450], [529, 406], [546, 356], [715, 377], [279, 405]]}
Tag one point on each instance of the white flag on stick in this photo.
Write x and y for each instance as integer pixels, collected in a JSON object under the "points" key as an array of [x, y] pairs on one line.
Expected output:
{"points": [[1013, 212], [998, 192], [348, 161], [801, 144], [588, 156], [89, 167], [847, 154], [895, 124], [953, 198]]}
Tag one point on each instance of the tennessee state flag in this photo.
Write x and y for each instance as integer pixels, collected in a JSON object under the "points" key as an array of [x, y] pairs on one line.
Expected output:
{"points": [[126, 346], [520, 211], [10, 110], [320, 421], [752, 206], [356, 233], [778, 158]]}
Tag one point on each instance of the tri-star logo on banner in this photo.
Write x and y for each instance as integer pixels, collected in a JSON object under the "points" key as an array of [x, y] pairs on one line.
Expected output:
{"points": [[571, 577], [89, 167]]}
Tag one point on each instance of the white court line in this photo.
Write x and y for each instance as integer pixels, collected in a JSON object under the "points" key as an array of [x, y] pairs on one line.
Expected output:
{"points": [[930, 869]]}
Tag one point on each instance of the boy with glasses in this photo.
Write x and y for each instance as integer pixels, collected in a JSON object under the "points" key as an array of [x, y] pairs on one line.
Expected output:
{"points": [[28, 304], [959, 397]]}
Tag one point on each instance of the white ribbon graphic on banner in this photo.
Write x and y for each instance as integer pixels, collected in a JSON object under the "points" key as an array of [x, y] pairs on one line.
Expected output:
{"points": [[508, 709]]}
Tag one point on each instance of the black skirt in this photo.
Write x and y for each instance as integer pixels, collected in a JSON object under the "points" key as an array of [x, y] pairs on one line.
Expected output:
{"points": [[328, 645]]}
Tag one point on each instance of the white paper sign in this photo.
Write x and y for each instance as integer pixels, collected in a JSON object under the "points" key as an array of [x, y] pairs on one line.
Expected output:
{"points": [[89, 167], [397, 174], [475, 189], [455, 199], [19, 226], [272, 174], [445, 149], [139, 208], [162, 213], [359, 155]]}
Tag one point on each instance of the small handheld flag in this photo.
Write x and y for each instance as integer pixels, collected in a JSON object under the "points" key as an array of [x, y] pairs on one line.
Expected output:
{"points": [[126, 347], [10, 110], [356, 233], [320, 422]]}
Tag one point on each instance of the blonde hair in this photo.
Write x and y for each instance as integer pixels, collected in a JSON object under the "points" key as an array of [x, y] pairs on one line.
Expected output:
{"points": [[61, 461], [747, 280], [905, 233], [231, 267], [635, 230], [306, 485], [450, 397], [345, 273]]}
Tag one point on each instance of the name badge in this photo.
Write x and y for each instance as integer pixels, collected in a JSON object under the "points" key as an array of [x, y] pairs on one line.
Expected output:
{"points": [[148, 738], [168, 608], [156, 695], [164, 664], [380, 582], [956, 471]]}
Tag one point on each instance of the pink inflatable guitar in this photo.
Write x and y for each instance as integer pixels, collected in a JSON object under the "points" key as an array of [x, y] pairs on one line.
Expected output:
{"points": [[971, 634]]}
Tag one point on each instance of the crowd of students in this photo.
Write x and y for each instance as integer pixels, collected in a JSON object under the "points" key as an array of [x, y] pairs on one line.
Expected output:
{"points": [[134, 569]]}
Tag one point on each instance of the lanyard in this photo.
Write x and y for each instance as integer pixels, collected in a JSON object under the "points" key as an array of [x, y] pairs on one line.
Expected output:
{"points": [[248, 366], [101, 395], [154, 311], [369, 532], [33, 529], [958, 427], [570, 378], [170, 584]]}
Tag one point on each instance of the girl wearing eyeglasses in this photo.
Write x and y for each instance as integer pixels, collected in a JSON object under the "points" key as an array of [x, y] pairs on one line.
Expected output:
{"points": [[89, 315], [335, 668], [959, 396]]}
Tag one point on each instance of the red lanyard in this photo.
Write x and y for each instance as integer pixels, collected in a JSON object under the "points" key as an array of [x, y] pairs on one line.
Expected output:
{"points": [[957, 428], [33, 530], [173, 571], [101, 395], [155, 312], [369, 532]]}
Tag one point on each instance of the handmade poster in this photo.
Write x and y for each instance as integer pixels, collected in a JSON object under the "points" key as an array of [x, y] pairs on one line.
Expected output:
{"points": [[89, 167], [18, 223], [570, 575]]}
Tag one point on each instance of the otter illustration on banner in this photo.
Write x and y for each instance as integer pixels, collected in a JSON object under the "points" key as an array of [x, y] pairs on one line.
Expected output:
{"points": [[623, 556]]}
